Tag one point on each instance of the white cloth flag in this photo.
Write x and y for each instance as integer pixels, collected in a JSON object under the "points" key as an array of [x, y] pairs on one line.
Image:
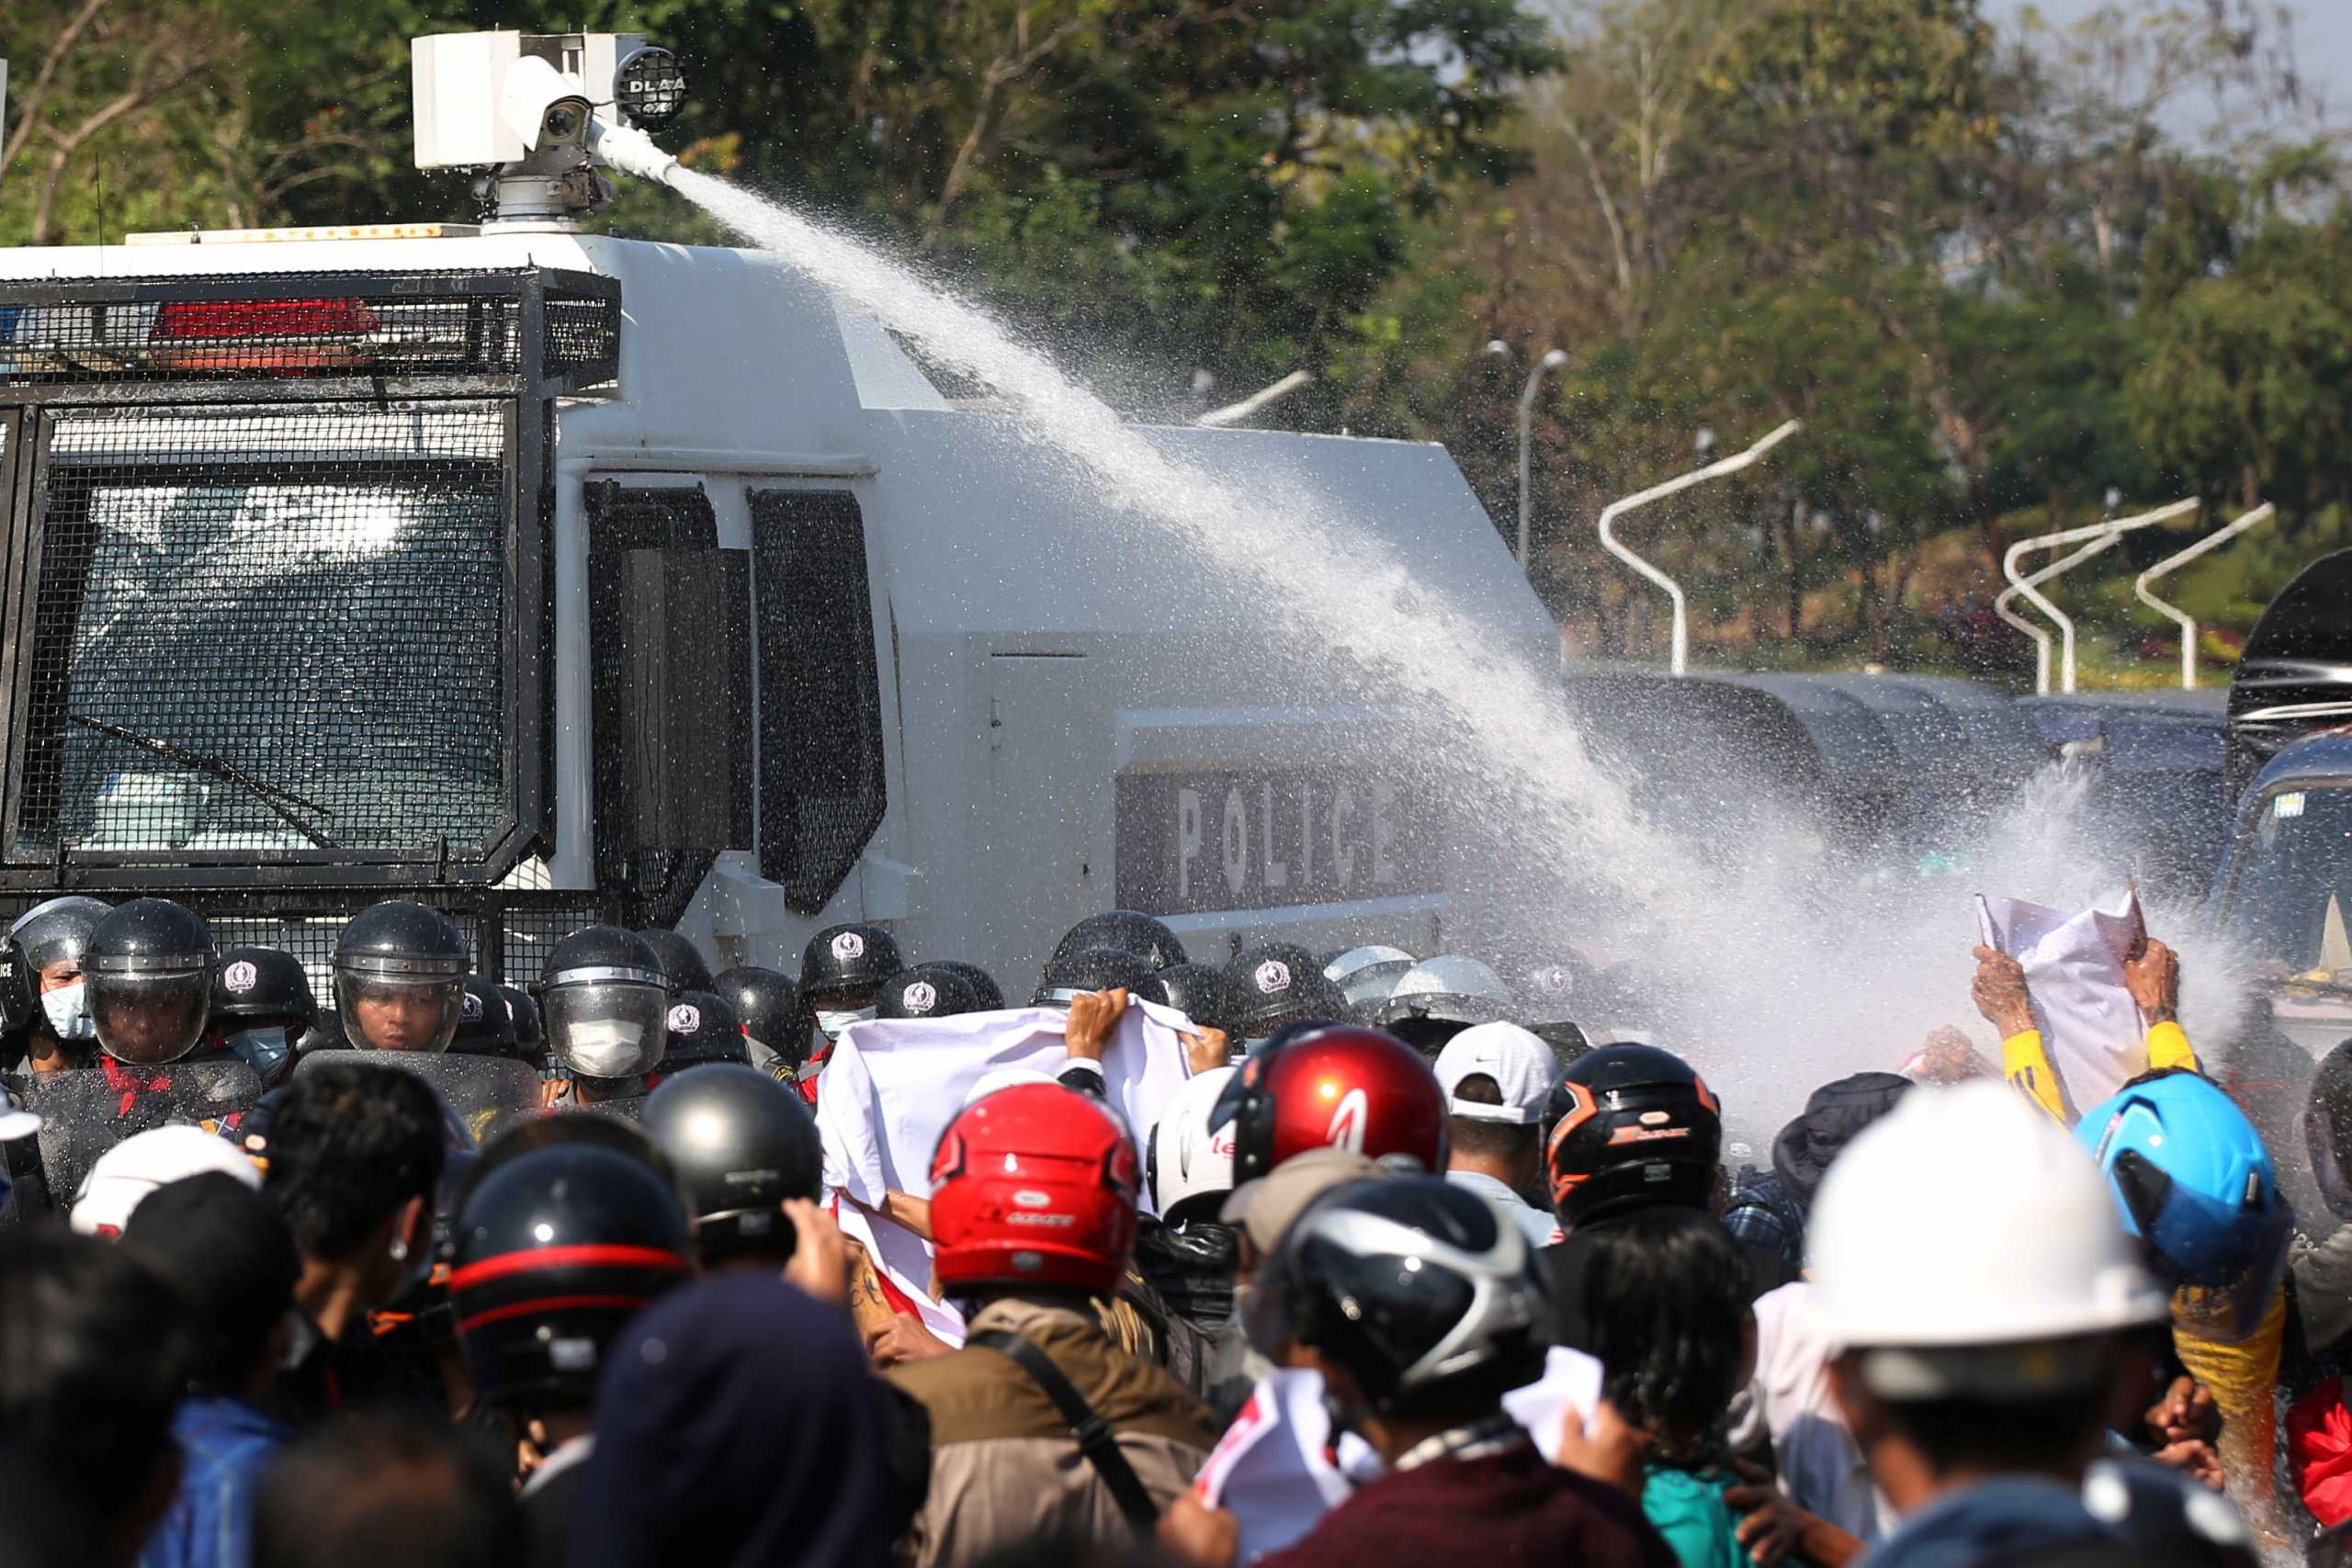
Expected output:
{"points": [[892, 1085], [2074, 968], [1277, 1471]]}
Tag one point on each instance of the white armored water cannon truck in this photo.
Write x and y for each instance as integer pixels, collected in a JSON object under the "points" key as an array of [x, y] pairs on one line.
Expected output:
{"points": [[551, 578]]}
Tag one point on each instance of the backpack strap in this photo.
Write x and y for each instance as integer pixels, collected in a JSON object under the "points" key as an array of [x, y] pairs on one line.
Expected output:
{"points": [[1095, 1438]]}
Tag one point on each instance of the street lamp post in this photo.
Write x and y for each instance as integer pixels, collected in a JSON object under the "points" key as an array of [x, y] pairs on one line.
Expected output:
{"points": [[1552, 360]]}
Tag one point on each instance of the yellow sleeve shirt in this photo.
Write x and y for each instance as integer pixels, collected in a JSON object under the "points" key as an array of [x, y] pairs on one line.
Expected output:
{"points": [[2026, 1064]]}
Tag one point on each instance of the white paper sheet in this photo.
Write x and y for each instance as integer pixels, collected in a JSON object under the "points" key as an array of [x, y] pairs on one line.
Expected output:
{"points": [[2073, 968]]}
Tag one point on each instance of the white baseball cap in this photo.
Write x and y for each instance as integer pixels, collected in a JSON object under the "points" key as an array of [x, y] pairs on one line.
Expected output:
{"points": [[1521, 1064], [141, 1163]]}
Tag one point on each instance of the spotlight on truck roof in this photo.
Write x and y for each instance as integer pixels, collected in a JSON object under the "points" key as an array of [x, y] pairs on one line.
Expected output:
{"points": [[651, 87]]}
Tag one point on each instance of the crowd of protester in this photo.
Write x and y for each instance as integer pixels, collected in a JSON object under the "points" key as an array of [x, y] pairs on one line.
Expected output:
{"points": [[1391, 1259]]}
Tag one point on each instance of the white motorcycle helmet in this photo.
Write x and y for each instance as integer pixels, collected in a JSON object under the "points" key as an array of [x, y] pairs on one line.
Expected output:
{"points": [[1191, 1163]]}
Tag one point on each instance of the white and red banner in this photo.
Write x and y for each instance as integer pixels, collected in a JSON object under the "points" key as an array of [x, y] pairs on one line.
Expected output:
{"points": [[892, 1085]]}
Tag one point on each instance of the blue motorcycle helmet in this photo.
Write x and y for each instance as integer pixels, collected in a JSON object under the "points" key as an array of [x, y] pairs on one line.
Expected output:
{"points": [[2197, 1188]]}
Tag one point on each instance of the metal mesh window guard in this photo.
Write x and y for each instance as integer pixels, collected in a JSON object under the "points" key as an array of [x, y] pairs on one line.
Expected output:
{"points": [[268, 628], [525, 930], [313, 325], [822, 785]]}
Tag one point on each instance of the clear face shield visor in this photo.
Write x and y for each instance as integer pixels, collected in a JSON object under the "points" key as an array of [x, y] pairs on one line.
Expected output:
{"points": [[151, 1016], [399, 1012], [608, 1028]]}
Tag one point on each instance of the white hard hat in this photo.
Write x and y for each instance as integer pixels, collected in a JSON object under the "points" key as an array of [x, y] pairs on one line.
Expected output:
{"points": [[137, 1166], [1189, 1158], [1961, 1219]]}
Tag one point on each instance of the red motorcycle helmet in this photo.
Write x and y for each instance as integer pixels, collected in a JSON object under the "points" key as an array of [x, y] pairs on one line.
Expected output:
{"points": [[1034, 1185], [1345, 1086]]}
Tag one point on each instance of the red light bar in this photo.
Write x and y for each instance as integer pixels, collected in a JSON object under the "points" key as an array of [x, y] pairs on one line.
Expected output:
{"points": [[282, 335]]}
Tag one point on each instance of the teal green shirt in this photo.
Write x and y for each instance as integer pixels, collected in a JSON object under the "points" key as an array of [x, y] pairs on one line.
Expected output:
{"points": [[1687, 1508]]}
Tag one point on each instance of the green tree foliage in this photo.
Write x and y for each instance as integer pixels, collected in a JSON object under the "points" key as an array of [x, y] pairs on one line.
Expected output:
{"points": [[1978, 264]]}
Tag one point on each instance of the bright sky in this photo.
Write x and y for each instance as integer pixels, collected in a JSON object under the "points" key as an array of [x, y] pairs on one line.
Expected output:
{"points": [[2323, 33]]}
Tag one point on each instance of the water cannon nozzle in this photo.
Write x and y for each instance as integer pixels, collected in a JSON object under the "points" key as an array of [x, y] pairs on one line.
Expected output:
{"points": [[630, 151]]}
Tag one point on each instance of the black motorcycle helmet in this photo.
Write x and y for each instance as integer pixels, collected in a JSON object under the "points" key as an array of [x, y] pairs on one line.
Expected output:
{"points": [[989, 997], [485, 1023], [1098, 969], [703, 1031], [557, 1247], [847, 960], [400, 971], [1631, 1125], [1421, 1288], [1202, 993], [682, 961], [767, 1004], [741, 1144], [149, 970], [927, 990], [1127, 930], [262, 1008], [605, 1003], [1280, 983]]}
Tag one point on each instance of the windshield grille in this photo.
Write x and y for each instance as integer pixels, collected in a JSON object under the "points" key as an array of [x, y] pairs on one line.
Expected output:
{"points": [[273, 627]]}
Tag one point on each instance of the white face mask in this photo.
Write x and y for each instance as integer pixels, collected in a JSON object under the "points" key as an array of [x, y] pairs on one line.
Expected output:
{"points": [[68, 1009], [830, 1024], [605, 1050]]}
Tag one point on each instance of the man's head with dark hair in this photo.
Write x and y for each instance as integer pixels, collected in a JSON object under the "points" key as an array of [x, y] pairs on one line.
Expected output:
{"points": [[1665, 1306], [386, 1492], [226, 1250], [1502, 1141], [351, 1144], [92, 1358]]}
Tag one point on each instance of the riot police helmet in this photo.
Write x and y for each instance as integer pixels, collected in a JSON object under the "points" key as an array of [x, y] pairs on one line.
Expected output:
{"points": [[1202, 993], [989, 997], [57, 932], [682, 962], [1099, 969], [1276, 984], [767, 1006], [850, 958], [485, 1023], [400, 973], [149, 970], [262, 1008], [605, 1003], [703, 1031], [927, 990], [1129, 930]]}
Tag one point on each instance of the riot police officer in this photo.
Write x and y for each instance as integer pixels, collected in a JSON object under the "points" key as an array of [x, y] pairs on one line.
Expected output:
{"points": [[703, 1032], [263, 1010], [400, 979], [682, 961], [841, 980], [605, 1006], [52, 937], [149, 970], [767, 1005]]}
